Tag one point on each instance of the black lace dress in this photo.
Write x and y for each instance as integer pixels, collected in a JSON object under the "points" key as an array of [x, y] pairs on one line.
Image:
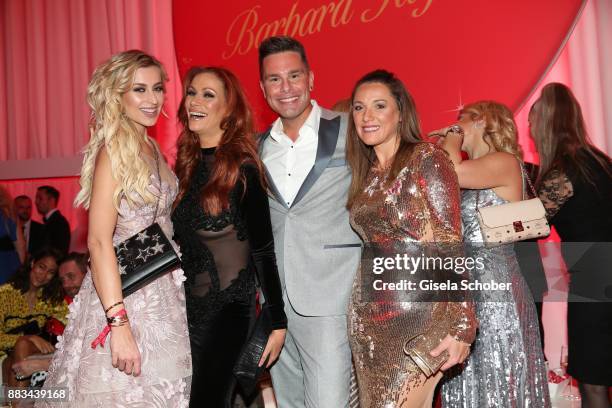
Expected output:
{"points": [[222, 257], [580, 212]]}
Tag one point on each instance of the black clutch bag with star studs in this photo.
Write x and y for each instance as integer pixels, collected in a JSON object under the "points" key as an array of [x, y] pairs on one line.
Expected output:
{"points": [[145, 257]]}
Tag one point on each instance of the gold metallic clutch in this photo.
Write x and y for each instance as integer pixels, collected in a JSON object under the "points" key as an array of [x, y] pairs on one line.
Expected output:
{"points": [[418, 348]]}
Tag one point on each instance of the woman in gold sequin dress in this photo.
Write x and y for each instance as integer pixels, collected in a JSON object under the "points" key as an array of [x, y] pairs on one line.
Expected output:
{"points": [[404, 193]]}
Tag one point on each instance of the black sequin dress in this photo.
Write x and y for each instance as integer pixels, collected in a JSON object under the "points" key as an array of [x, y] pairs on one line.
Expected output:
{"points": [[222, 257]]}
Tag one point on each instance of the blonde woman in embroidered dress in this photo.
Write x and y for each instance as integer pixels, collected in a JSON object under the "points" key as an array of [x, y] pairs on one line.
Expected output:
{"points": [[506, 367], [148, 361]]}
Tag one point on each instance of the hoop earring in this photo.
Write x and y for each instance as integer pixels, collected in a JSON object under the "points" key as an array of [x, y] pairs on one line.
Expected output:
{"points": [[164, 114]]}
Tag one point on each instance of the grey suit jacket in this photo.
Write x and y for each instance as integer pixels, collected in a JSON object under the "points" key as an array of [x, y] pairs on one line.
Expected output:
{"points": [[317, 251]]}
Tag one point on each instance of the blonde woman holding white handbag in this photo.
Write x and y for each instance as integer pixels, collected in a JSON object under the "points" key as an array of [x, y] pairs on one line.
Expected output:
{"points": [[506, 366]]}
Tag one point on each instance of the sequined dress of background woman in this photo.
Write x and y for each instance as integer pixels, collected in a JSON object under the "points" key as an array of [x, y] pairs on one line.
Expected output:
{"points": [[422, 204], [506, 367]]}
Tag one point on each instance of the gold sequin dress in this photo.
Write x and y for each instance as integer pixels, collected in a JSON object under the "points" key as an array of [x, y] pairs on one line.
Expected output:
{"points": [[421, 205]]}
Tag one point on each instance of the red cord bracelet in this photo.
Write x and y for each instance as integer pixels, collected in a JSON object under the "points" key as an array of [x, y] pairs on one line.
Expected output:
{"points": [[101, 339]]}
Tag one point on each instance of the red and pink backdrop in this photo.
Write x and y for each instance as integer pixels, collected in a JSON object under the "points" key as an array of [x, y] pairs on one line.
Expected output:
{"points": [[447, 52]]}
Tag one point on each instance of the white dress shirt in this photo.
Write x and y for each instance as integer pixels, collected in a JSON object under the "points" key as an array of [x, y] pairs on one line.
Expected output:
{"points": [[49, 214], [289, 162]]}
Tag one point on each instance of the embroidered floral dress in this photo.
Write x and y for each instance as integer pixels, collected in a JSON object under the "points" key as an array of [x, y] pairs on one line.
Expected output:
{"points": [[157, 319]]}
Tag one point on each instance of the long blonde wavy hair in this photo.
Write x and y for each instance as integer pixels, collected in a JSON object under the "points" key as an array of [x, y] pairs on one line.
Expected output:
{"points": [[500, 130], [112, 129]]}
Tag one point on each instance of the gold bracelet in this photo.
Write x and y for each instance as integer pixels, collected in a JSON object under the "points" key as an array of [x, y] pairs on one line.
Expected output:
{"points": [[110, 307], [117, 321]]}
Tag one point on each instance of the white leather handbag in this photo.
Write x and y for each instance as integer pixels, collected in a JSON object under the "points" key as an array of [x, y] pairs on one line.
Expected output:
{"points": [[511, 222]]}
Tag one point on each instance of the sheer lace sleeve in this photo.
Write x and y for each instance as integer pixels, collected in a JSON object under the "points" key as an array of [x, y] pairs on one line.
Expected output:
{"points": [[442, 194], [261, 240], [554, 191]]}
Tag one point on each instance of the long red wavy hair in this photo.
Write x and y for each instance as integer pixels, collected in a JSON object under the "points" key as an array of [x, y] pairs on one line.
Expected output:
{"points": [[237, 145]]}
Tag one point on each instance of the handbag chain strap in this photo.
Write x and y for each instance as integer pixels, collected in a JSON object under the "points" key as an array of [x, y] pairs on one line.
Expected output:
{"points": [[160, 183], [535, 195], [524, 176]]}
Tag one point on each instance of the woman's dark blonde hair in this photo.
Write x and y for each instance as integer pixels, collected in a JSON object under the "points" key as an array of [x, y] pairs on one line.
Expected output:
{"points": [[361, 156], [499, 127], [560, 135]]}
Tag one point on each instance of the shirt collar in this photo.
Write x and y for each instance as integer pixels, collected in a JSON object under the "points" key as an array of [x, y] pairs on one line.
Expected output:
{"points": [[312, 122], [50, 213]]}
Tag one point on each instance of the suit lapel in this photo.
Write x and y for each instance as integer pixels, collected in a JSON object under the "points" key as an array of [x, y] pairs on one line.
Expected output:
{"points": [[273, 189], [328, 138]]}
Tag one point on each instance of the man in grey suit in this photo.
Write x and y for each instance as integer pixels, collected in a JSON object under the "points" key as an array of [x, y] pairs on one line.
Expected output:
{"points": [[317, 251]]}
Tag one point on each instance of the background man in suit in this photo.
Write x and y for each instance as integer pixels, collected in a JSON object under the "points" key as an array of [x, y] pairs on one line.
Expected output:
{"points": [[317, 251], [57, 229], [33, 232]]}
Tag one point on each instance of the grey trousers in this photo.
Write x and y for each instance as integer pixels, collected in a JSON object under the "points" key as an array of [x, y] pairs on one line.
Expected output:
{"points": [[314, 368]]}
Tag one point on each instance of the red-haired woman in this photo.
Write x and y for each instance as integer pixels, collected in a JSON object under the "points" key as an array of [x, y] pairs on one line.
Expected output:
{"points": [[222, 223]]}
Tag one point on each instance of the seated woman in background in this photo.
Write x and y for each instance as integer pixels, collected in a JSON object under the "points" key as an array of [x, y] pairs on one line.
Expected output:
{"points": [[506, 366], [71, 272], [26, 303], [575, 184]]}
